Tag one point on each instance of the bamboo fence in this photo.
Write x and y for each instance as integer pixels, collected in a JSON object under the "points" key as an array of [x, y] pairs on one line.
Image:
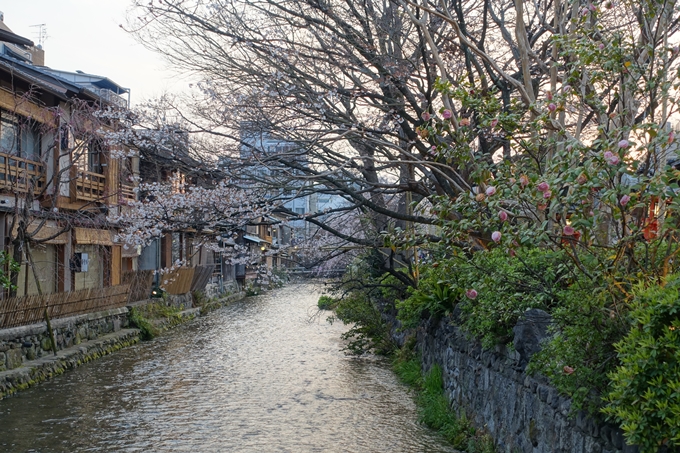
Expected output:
{"points": [[141, 283], [21, 311], [202, 276]]}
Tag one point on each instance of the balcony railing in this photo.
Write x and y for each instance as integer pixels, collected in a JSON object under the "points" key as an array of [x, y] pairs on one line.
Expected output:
{"points": [[18, 174], [90, 186], [127, 193]]}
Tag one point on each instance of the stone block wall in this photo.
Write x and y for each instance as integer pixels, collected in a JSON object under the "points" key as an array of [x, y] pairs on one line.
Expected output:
{"points": [[25, 343], [522, 413]]}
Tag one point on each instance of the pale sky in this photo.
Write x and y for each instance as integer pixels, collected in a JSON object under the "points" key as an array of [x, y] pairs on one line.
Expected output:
{"points": [[85, 35]]}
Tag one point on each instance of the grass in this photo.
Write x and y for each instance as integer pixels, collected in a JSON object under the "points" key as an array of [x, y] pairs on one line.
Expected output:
{"points": [[433, 406]]}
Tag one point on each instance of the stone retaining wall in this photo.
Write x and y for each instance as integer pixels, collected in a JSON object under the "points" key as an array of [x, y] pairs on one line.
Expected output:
{"points": [[27, 343], [522, 413], [32, 372]]}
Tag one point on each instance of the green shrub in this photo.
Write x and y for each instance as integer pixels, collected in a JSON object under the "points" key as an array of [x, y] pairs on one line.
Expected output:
{"points": [[506, 287], [580, 351], [326, 303], [433, 405], [645, 389], [148, 330], [369, 332]]}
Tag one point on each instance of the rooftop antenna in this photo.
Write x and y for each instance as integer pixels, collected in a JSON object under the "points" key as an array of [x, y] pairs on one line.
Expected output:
{"points": [[40, 34]]}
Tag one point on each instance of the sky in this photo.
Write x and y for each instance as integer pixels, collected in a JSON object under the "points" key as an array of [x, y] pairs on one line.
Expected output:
{"points": [[85, 35]]}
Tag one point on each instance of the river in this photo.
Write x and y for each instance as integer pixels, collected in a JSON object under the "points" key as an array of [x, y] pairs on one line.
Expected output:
{"points": [[261, 375]]}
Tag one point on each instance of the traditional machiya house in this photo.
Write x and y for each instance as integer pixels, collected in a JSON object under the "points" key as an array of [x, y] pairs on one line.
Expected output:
{"points": [[58, 178], [168, 161]]}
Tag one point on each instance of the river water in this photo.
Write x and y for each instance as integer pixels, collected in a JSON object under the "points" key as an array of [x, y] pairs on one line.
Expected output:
{"points": [[261, 375]]}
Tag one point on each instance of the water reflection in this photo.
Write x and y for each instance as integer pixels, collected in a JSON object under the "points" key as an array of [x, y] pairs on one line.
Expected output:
{"points": [[256, 376]]}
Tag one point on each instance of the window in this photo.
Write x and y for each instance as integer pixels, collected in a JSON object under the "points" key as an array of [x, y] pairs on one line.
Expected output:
{"points": [[299, 211], [9, 139], [19, 139], [95, 157]]}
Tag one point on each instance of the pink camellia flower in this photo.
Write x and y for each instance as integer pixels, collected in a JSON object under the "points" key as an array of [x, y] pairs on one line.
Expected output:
{"points": [[543, 186], [671, 137], [496, 236], [547, 194], [465, 121], [600, 46], [494, 123], [425, 116], [568, 370], [471, 294], [584, 12], [512, 252], [490, 190], [524, 180], [614, 160], [552, 107], [624, 200], [592, 7], [608, 155], [447, 114], [568, 230], [503, 216], [566, 88], [549, 95], [623, 144], [582, 178]]}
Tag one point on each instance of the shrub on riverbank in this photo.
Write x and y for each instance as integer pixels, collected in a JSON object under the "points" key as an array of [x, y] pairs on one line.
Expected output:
{"points": [[326, 303], [433, 405], [613, 346]]}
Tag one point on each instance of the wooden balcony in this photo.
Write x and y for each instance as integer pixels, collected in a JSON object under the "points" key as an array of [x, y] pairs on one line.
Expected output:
{"points": [[127, 193], [90, 186], [19, 175]]}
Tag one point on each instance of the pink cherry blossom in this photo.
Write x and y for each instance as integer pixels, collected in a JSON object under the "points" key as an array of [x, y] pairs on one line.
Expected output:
{"points": [[503, 216], [496, 236], [491, 190], [471, 294], [543, 186]]}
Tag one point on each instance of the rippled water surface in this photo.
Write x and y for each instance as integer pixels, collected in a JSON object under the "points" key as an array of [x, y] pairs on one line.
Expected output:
{"points": [[258, 376]]}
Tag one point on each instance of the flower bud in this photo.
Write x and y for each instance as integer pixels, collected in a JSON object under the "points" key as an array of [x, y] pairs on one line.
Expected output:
{"points": [[471, 294]]}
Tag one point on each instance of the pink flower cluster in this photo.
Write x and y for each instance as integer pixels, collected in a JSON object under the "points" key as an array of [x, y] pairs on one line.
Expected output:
{"points": [[611, 158]]}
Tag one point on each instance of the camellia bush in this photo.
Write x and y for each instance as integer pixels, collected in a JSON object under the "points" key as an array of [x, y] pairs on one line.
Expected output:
{"points": [[568, 201]]}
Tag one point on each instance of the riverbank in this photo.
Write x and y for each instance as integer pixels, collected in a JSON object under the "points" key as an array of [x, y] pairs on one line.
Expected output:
{"points": [[26, 359]]}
